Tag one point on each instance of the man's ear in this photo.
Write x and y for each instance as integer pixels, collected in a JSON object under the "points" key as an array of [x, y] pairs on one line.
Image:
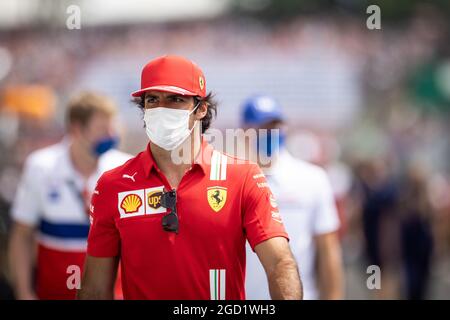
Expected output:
{"points": [[202, 109]]}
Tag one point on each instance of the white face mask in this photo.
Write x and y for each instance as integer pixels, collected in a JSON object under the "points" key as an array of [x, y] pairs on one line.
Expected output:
{"points": [[167, 127]]}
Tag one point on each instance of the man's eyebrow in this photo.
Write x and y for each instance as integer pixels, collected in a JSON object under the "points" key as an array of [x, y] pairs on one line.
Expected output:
{"points": [[176, 96]]}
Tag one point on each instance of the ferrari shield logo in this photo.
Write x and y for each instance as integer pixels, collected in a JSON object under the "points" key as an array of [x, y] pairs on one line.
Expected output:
{"points": [[201, 82], [217, 196]]}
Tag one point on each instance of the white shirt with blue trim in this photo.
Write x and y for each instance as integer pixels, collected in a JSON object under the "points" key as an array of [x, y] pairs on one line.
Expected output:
{"points": [[48, 196]]}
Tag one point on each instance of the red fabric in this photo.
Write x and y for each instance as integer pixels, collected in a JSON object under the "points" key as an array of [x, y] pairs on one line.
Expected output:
{"points": [[118, 293], [162, 265], [172, 71], [51, 278]]}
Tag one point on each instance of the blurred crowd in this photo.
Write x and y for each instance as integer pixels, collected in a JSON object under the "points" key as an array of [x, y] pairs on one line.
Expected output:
{"points": [[388, 156]]}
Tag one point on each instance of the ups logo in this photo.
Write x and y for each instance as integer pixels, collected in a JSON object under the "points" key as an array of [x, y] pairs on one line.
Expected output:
{"points": [[154, 199]]}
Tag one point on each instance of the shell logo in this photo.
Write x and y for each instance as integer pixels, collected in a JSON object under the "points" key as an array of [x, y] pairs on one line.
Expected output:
{"points": [[131, 203]]}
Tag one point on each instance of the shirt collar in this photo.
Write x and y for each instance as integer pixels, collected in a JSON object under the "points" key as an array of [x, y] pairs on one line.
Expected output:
{"points": [[66, 167], [147, 160], [203, 159]]}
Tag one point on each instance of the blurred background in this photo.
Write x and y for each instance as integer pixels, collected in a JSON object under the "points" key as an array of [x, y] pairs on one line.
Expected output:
{"points": [[370, 106]]}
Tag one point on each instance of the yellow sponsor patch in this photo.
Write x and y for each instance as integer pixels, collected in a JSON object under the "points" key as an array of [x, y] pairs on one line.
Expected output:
{"points": [[131, 203], [217, 196]]}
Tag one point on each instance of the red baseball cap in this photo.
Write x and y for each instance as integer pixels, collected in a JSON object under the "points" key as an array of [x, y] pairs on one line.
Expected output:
{"points": [[172, 74]]}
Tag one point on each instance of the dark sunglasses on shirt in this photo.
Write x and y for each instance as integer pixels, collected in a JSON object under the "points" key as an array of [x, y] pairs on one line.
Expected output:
{"points": [[169, 201]]}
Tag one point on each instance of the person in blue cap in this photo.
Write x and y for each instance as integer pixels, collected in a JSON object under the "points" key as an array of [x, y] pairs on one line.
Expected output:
{"points": [[264, 112], [306, 206]]}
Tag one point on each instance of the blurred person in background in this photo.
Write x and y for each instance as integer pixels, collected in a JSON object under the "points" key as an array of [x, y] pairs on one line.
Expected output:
{"points": [[306, 204], [416, 215], [51, 207], [378, 190], [6, 292], [397, 219]]}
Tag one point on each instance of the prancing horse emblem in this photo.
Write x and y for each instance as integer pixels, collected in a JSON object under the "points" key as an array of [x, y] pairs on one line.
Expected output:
{"points": [[217, 196]]}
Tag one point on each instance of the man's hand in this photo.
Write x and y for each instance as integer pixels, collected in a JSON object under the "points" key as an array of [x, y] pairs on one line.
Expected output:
{"points": [[281, 269]]}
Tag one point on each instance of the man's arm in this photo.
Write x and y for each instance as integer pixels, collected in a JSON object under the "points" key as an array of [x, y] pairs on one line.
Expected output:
{"points": [[20, 254], [329, 266], [98, 278], [281, 269]]}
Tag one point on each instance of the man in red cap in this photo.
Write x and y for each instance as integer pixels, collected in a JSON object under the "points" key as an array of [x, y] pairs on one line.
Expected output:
{"points": [[179, 225]]}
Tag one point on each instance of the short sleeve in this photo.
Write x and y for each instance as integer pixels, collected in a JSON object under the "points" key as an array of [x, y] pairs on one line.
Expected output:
{"points": [[325, 218], [104, 238], [27, 207], [261, 218]]}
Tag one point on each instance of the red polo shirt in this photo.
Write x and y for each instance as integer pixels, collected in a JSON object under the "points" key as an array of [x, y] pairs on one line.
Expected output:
{"points": [[221, 203]]}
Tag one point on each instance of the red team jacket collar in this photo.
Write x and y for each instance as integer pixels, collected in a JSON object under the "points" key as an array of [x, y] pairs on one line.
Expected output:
{"points": [[203, 159]]}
